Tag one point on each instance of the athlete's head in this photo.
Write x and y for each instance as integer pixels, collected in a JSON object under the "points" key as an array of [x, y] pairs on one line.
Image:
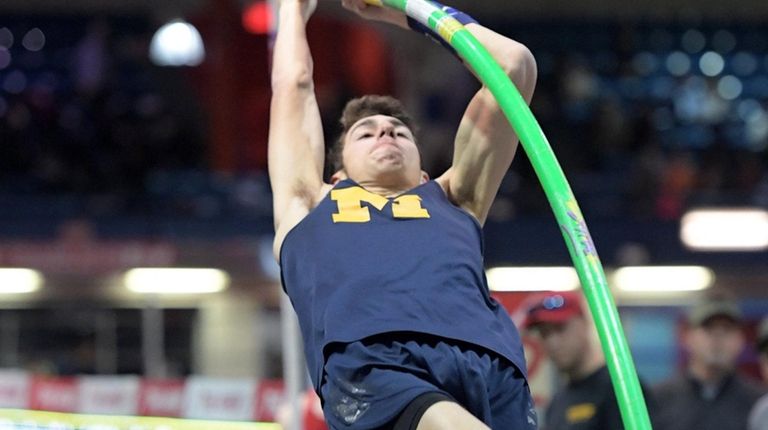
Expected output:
{"points": [[377, 143]]}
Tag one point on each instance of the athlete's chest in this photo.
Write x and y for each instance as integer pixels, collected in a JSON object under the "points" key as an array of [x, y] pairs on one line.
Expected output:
{"points": [[357, 205]]}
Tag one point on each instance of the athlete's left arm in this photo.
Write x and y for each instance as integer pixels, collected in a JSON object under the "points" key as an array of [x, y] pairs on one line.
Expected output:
{"points": [[485, 143]]}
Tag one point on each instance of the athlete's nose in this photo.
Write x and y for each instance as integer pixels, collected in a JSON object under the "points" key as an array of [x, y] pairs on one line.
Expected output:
{"points": [[387, 129]]}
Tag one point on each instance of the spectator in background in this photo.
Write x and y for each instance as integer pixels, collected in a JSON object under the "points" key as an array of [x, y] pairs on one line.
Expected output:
{"points": [[758, 418], [710, 394], [587, 401]]}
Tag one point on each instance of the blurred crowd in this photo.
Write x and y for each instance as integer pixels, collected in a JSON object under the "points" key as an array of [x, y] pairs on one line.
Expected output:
{"points": [[710, 391], [646, 119], [82, 110]]}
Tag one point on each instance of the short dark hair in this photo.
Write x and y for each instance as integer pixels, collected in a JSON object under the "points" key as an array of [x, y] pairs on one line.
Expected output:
{"points": [[359, 108]]}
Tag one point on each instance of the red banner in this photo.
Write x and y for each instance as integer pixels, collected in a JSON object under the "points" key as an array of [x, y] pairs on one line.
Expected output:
{"points": [[232, 399], [161, 397], [54, 394]]}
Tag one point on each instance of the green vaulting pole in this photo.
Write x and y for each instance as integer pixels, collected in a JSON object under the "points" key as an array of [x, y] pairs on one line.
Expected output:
{"points": [[560, 196]]}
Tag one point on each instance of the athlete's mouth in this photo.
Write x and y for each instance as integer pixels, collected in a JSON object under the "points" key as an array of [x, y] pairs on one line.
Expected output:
{"points": [[385, 143]]}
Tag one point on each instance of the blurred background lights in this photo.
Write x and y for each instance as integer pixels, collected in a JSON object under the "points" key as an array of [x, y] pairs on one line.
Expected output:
{"points": [[663, 278], [729, 87], [744, 63], [678, 63], [177, 43], [748, 109], [757, 131], [711, 64], [6, 37], [176, 280], [723, 41], [19, 281], [15, 82], [5, 57], [34, 40], [532, 279], [693, 41], [257, 17], [718, 229]]}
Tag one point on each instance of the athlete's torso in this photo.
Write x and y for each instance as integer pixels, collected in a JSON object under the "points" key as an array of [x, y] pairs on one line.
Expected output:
{"points": [[360, 264]]}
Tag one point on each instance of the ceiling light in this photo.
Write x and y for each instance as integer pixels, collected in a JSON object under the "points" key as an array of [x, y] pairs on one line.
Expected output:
{"points": [[177, 43], [175, 280], [19, 281], [532, 279], [662, 278], [725, 229]]}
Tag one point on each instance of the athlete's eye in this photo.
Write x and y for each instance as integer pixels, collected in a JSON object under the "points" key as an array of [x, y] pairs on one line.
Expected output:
{"points": [[365, 135], [402, 135]]}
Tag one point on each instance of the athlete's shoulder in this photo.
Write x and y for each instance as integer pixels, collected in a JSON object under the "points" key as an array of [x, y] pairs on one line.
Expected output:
{"points": [[296, 213], [444, 182]]}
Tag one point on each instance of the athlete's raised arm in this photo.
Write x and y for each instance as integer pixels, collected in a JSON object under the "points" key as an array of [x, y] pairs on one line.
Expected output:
{"points": [[296, 147], [485, 143]]}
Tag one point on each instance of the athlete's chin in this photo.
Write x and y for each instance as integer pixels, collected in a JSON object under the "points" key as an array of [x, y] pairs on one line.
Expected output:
{"points": [[390, 164], [390, 173]]}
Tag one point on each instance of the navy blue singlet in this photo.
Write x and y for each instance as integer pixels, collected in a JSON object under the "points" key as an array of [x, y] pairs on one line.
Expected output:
{"points": [[360, 264]]}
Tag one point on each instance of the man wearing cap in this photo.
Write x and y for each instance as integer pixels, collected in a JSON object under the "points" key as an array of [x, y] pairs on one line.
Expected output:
{"points": [[758, 419], [710, 395], [587, 401]]}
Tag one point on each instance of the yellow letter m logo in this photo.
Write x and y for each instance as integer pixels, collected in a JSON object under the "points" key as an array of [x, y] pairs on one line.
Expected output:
{"points": [[350, 202]]}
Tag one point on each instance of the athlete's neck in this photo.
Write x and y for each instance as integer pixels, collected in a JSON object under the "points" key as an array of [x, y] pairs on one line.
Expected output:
{"points": [[386, 191], [388, 188]]}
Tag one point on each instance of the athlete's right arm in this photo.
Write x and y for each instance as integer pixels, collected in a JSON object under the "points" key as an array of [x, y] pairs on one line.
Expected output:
{"points": [[296, 147]]}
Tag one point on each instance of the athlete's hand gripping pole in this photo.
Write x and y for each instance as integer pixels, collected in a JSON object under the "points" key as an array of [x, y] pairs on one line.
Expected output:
{"points": [[574, 229]]}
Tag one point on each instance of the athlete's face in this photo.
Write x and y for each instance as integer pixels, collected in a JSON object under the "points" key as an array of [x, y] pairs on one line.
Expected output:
{"points": [[381, 149]]}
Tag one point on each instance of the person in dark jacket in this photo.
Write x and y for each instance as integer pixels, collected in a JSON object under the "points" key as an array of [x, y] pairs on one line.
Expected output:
{"points": [[587, 400], [710, 394]]}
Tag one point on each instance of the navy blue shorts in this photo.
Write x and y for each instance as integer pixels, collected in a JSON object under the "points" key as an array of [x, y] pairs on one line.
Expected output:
{"points": [[368, 383]]}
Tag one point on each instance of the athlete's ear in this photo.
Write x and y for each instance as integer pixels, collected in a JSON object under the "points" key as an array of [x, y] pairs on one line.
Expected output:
{"points": [[424, 177], [338, 176]]}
